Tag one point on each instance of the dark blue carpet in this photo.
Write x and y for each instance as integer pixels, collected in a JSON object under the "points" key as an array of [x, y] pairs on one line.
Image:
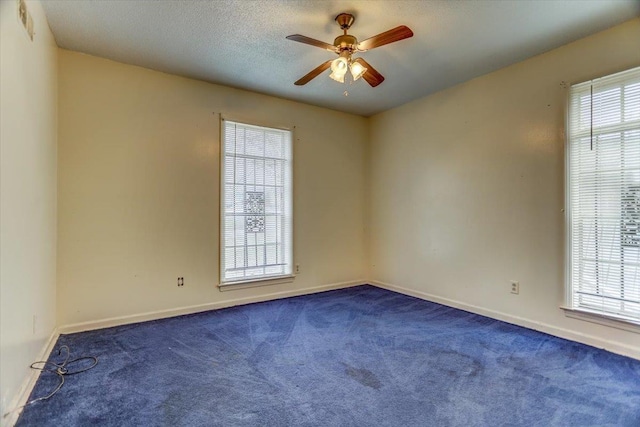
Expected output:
{"points": [[354, 357]]}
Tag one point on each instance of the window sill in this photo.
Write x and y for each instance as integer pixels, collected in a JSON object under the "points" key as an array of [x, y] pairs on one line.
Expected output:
{"points": [[602, 319], [279, 280]]}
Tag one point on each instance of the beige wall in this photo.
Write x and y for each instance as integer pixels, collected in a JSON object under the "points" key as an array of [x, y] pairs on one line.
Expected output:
{"points": [[28, 74], [139, 188], [468, 188]]}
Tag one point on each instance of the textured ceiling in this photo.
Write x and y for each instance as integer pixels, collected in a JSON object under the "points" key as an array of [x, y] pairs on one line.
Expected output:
{"points": [[242, 43]]}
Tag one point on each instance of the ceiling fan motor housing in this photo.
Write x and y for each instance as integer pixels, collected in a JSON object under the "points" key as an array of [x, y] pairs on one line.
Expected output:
{"points": [[346, 42]]}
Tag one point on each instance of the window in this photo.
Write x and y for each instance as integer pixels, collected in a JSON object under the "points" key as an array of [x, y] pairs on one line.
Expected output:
{"points": [[256, 189], [603, 196]]}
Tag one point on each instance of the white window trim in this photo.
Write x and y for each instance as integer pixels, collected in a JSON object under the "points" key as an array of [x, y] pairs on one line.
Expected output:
{"points": [[581, 313], [245, 284], [601, 319], [261, 281]]}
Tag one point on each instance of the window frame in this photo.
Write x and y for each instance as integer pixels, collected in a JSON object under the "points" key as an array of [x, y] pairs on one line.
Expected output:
{"points": [[570, 310], [243, 283]]}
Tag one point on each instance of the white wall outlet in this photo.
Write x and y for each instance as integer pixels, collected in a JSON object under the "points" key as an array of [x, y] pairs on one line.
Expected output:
{"points": [[297, 268], [515, 287]]}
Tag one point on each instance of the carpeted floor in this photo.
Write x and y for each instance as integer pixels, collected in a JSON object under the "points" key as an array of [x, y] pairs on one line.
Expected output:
{"points": [[354, 357]]}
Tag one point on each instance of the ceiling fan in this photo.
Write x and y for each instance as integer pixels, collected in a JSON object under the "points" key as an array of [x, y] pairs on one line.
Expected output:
{"points": [[346, 46]]}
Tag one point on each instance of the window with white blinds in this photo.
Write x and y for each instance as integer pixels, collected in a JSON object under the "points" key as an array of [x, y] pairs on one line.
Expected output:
{"points": [[604, 196], [256, 189]]}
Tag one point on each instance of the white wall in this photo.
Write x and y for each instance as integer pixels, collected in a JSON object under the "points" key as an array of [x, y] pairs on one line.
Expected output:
{"points": [[139, 188], [28, 129], [467, 188]]}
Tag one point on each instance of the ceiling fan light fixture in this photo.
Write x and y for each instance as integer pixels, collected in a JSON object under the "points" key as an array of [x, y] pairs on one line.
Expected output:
{"points": [[357, 70], [339, 65], [337, 77], [339, 68]]}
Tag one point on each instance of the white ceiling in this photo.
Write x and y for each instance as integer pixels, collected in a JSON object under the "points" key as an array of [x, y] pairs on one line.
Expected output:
{"points": [[242, 43]]}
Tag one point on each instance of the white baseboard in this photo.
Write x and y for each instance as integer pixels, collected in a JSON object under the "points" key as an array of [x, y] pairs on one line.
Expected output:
{"points": [[16, 406], [614, 347], [172, 312]]}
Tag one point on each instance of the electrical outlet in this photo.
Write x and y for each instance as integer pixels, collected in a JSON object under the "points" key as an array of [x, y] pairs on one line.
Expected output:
{"points": [[515, 287], [297, 268], [180, 281]]}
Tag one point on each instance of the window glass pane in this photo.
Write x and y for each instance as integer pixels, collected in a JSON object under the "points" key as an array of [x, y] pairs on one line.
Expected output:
{"points": [[257, 210], [604, 195]]}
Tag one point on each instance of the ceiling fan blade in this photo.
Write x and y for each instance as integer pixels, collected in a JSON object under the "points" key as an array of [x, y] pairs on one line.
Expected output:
{"points": [[396, 34], [372, 76], [313, 73], [312, 42]]}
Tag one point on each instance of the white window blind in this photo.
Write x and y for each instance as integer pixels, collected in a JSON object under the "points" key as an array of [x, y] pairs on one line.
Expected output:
{"points": [[604, 196], [256, 217]]}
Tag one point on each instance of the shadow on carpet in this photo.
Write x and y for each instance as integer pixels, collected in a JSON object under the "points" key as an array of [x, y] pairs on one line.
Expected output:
{"points": [[361, 356]]}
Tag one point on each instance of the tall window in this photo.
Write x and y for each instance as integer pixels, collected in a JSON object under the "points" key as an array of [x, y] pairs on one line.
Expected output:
{"points": [[256, 217], [604, 196]]}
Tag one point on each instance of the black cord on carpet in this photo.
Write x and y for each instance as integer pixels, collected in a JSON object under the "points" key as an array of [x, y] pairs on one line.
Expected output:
{"points": [[61, 370]]}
